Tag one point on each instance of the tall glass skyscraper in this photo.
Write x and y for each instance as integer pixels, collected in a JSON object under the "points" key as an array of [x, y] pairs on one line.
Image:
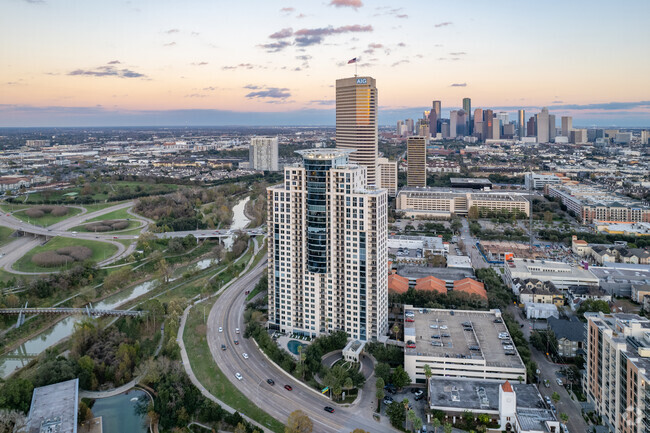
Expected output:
{"points": [[467, 107]]}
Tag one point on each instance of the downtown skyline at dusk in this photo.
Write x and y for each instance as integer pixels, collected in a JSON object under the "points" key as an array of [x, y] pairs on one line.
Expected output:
{"points": [[207, 63]]}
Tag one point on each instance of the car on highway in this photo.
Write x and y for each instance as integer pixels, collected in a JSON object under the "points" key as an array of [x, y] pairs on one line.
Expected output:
{"points": [[223, 347], [236, 341], [270, 382], [236, 330], [245, 355], [288, 387], [558, 381], [329, 409], [220, 329], [238, 376]]}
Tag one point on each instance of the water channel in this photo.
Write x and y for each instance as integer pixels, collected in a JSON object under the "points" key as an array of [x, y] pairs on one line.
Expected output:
{"points": [[21, 356]]}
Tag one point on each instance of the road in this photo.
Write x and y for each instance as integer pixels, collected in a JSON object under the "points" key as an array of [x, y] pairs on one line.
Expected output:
{"points": [[470, 246], [227, 313], [548, 370]]}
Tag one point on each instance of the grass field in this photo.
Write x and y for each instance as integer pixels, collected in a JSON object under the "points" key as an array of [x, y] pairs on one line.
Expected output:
{"points": [[209, 374], [7, 207], [132, 225], [100, 192], [120, 214], [100, 206], [101, 251], [47, 219], [5, 232]]}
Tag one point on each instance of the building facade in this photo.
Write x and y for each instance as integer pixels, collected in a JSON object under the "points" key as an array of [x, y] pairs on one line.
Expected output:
{"points": [[263, 153], [356, 121], [327, 249], [387, 175], [416, 154]]}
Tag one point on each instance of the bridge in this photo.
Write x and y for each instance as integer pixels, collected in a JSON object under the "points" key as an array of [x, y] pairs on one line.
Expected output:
{"points": [[91, 312]]}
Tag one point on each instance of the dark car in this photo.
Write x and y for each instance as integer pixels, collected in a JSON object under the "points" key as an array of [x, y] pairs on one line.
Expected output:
{"points": [[223, 347], [329, 409], [236, 341], [288, 387], [270, 382]]}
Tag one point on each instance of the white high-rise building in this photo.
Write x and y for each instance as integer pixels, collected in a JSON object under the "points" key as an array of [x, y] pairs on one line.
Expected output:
{"points": [[543, 132], [263, 153], [567, 125], [387, 175], [328, 248], [356, 121]]}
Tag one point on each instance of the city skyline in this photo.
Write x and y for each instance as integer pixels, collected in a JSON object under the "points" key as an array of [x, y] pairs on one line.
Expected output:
{"points": [[149, 64]]}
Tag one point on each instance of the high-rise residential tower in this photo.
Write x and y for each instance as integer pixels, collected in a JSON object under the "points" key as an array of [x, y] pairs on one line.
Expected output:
{"points": [[567, 125], [542, 122], [263, 153], [416, 155], [467, 107], [521, 120], [387, 175], [328, 248], [356, 121]]}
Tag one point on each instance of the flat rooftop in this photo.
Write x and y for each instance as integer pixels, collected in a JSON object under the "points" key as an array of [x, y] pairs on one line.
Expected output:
{"points": [[413, 272], [483, 336], [54, 408], [547, 268], [479, 395]]}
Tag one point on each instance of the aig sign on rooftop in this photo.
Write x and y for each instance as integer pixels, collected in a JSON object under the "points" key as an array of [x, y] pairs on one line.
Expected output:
{"points": [[362, 81]]}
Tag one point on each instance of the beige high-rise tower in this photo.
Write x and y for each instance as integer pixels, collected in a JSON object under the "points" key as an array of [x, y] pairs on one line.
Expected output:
{"points": [[416, 154], [356, 121]]}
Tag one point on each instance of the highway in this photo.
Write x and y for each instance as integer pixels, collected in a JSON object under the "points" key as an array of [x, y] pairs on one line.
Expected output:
{"points": [[227, 313]]}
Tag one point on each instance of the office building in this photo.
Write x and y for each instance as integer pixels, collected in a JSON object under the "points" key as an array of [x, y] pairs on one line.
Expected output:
{"points": [[477, 129], [356, 121], [447, 202], [424, 131], [617, 376], [400, 127], [327, 253], [416, 154], [496, 129], [263, 153], [521, 120], [503, 118], [542, 121], [457, 353], [578, 136], [453, 124], [37, 143], [645, 137], [488, 122], [623, 138], [467, 108], [567, 125], [594, 133], [433, 122], [539, 181], [410, 126], [436, 107], [531, 127], [552, 128], [591, 203], [387, 173], [561, 274]]}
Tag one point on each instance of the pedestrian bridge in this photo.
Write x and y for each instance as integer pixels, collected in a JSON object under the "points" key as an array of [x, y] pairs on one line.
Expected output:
{"points": [[93, 312]]}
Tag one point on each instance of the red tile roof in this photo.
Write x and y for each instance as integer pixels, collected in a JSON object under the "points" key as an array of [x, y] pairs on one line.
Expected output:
{"points": [[470, 286], [397, 283], [431, 284], [507, 387]]}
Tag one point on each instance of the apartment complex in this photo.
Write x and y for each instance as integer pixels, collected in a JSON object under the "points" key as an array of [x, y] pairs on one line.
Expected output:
{"points": [[561, 274], [263, 153], [356, 121], [446, 202], [387, 175], [416, 153], [459, 344], [539, 180], [591, 203], [327, 252], [618, 370]]}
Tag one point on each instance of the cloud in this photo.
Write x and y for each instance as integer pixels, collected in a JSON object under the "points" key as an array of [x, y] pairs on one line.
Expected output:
{"points": [[281, 34], [459, 85], [346, 3], [400, 62], [443, 24], [196, 95], [268, 92], [458, 53], [35, 2], [301, 16], [114, 62], [107, 71], [171, 31], [307, 37], [252, 87], [323, 101], [199, 63], [171, 44], [401, 16], [274, 47], [209, 89], [401, 44], [557, 102], [195, 33], [605, 106], [241, 66], [287, 10]]}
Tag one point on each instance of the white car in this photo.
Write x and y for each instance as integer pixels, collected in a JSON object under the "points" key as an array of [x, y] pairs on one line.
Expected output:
{"points": [[238, 376], [558, 381], [433, 326], [236, 330], [220, 329], [443, 327], [245, 355]]}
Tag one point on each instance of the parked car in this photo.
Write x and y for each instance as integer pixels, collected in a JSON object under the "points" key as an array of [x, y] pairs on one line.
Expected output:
{"points": [[558, 381]]}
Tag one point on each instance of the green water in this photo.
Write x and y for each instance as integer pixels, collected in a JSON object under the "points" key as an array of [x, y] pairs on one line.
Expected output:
{"points": [[118, 413]]}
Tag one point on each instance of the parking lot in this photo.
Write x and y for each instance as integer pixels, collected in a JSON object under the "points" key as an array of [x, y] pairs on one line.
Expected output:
{"points": [[418, 406]]}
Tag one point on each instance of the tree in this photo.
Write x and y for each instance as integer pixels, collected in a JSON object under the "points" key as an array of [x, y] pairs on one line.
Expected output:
{"points": [[473, 213], [412, 418], [417, 423], [379, 393], [16, 394], [396, 331], [447, 428], [241, 428], [593, 305], [400, 377], [427, 372], [456, 225], [564, 417], [555, 397], [382, 371], [85, 413], [435, 423], [396, 414], [298, 422]]}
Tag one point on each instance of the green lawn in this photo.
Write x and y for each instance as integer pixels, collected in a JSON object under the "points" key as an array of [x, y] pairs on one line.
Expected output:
{"points": [[210, 376], [101, 191], [120, 214], [99, 206], [47, 219], [5, 232], [101, 251], [8, 207], [126, 231]]}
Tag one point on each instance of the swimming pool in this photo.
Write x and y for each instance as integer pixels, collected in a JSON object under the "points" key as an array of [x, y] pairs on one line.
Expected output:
{"points": [[293, 346]]}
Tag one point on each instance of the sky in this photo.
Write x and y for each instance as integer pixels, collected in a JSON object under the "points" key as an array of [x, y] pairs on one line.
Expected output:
{"points": [[275, 62]]}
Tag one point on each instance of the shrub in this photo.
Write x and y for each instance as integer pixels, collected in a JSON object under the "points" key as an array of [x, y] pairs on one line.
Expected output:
{"points": [[107, 225], [40, 211], [62, 256]]}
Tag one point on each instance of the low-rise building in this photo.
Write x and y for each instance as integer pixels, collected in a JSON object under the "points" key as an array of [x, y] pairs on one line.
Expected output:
{"points": [[571, 335], [561, 274], [640, 292], [536, 310], [54, 408], [460, 344], [537, 291], [617, 279]]}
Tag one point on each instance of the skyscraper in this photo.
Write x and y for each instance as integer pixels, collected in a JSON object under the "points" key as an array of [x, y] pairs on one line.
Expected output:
{"points": [[488, 121], [542, 126], [467, 107], [410, 126], [416, 154], [387, 175], [532, 126], [400, 125], [327, 252], [567, 125], [521, 119], [263, 153], [436, 107], [453, 123], [477, 129], [552, 128], [356, 121]]}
